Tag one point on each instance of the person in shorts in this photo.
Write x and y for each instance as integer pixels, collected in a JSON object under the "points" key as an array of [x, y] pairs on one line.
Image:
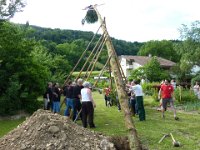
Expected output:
{"points": [[167, 94]]}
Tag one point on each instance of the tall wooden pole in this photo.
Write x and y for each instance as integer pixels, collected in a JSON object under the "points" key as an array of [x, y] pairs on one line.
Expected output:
{"points": [[134, 141]]}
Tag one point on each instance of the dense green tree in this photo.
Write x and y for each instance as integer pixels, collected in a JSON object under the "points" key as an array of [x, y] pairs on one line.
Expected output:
{"points": [[59, 36], [189, 49], [137, 74], [22, 78], [153, 70], [162, 49]]}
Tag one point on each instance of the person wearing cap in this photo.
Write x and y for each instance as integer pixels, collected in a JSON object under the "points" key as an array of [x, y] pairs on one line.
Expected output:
{"points": [[88, 105]]}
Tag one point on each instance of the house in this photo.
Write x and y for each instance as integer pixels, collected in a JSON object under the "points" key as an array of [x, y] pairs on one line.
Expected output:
{"points": [[129, 63]]}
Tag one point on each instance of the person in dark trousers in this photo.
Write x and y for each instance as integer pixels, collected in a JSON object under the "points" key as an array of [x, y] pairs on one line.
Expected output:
{"points": [[136, 88], [133, 104], [70, 101], [48, 97], [56, 98], [77, 96], [107, 98], [88, 106]]}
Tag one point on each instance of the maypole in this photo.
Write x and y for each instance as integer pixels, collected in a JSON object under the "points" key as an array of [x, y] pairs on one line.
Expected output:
{"points": [[120, 86]]}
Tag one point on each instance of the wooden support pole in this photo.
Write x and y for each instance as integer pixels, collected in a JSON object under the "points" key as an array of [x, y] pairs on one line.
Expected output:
{"points": [[123, 99]]}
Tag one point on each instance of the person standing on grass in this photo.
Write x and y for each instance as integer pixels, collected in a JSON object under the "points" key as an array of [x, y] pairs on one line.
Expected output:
{"points": [[77, 96], [88, 105], [56, 98], [107, 98], [70, 101], [48, 97], [166, 92], [136, 88]]}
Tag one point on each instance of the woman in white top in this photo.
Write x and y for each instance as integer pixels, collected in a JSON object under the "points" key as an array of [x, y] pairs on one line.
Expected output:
{"points": [[88, 105]]}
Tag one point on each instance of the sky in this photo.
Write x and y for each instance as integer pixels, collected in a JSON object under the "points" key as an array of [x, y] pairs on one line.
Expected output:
{"points": [[130, 20]]}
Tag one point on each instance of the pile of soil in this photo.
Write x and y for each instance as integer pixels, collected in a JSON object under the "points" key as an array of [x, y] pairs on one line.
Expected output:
{"points": [[47, 131]]}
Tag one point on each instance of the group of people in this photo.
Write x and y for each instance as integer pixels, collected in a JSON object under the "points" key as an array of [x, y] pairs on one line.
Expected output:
{"points": [[52, 97], [78, 100], [166, 96]]}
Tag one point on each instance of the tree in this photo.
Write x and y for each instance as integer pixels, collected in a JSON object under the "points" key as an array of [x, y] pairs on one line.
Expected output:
{"points": [[189, 48], [22, 78], [9, 7], [151, 71], [162, 49], [137, 74]]}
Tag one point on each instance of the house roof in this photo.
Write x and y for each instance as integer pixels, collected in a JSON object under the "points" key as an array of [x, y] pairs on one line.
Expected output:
{"points": [[142, 60]]}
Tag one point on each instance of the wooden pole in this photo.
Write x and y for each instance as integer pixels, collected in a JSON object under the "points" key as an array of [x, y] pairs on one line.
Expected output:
{"points": [[134, 141]]}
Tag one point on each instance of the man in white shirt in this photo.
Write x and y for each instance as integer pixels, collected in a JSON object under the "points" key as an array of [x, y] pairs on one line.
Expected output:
{"points": [[136, 88]]}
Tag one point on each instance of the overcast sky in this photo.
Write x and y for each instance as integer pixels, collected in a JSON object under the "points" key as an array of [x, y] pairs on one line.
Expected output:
{"points": [[130, 20]]}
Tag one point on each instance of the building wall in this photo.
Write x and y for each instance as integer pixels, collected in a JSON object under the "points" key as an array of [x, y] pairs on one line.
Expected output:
{"points": [[123, 65], [127, 67]]}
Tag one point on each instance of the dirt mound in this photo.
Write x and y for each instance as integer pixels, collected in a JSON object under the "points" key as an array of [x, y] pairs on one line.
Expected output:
{"points": [[47, 131]]}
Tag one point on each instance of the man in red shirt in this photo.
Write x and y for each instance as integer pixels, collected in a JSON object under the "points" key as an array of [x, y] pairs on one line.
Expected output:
{"points": [[107, 96], [167, 94]]}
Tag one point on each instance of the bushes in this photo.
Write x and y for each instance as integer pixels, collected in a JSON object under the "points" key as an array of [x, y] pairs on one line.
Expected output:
{"points": [[195, 79], [151, 89], [184, 95]]}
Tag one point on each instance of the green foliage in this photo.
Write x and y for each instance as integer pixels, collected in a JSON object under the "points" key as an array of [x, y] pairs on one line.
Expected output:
{"points": [[91, 16], [20, 72], [137, 74], [151, 71], [151, 89], [189, 48], [80, 38], [184, 95], [195, 79], [32, 104], [9, 100], [162, 49], [191, 106]]}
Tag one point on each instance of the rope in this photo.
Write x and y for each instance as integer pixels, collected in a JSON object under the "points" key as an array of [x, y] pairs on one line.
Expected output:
{"points": [[82, 55]]}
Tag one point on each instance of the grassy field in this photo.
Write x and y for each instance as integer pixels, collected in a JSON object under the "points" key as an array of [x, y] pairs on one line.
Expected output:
{"points": [[110, 122], [7, 125]]}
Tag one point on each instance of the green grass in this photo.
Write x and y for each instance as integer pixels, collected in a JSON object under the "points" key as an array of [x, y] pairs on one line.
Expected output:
{"points": [[110, 121], [7, 125]]}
